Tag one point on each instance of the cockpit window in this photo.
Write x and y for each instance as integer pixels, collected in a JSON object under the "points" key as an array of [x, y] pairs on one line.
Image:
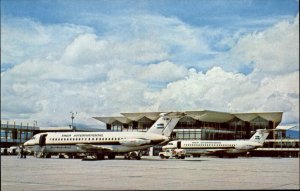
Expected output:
{"points": [[170, 143]]}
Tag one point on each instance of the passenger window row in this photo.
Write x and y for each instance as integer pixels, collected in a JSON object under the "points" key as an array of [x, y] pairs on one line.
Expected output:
{"points": [[85, 139], [206, 145]]}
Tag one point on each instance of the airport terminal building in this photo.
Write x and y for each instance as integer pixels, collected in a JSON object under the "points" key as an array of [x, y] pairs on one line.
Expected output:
{"points": [[204, 125]]}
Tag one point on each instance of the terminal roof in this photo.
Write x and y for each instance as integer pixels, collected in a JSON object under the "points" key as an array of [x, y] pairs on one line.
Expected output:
{"points": [[201, 115]]}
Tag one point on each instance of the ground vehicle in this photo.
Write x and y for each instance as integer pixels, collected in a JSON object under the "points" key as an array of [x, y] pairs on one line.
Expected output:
{"points": [[170, 153], [13, 150], [3, 151]]}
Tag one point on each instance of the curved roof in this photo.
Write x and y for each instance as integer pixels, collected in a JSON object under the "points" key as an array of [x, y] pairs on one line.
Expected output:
{"points": [[210, 116], [201, 115], [269, 116], [137, 116], [110, 120]]}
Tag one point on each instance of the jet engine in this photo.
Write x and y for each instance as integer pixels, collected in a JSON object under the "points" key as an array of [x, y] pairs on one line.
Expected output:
{"points": [[244, 147], [134, 142]]}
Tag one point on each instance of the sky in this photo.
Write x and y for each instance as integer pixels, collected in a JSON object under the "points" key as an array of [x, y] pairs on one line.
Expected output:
{"points": [[103, 58]]}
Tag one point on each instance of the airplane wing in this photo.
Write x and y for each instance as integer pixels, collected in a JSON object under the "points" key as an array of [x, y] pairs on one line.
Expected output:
{"points": [[216, 151], [221, 152], [93, 148]]}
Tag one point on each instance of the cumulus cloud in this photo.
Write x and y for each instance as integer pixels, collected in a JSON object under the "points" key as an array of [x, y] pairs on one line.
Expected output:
{"points": [[145, 63], [272, 51], [165, 71], [213, 89], [24, 39]]}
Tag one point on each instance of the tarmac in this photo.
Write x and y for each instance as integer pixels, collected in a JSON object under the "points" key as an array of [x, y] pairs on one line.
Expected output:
{"points": [[150, 173]]}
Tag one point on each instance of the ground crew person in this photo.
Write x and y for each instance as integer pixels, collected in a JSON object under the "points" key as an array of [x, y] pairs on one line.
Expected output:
{"points": [[21, 151]]}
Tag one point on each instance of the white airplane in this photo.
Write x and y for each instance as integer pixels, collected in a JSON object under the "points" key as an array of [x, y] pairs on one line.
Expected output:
{"points": [[99, 144], [220, 148]]}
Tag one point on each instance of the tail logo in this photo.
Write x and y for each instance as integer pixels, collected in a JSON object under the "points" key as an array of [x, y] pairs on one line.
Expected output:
{"points": [[160, 126]]}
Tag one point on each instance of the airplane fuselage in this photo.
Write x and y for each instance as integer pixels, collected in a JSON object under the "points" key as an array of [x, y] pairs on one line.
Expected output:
{"points": [[75, 142], [211, 147]]}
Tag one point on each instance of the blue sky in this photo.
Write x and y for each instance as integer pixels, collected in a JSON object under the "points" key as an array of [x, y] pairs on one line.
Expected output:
{"points": [[193, 12], [94, 56]]}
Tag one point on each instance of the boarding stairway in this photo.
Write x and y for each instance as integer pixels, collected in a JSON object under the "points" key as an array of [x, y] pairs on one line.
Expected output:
{"points": [[40, 153]]}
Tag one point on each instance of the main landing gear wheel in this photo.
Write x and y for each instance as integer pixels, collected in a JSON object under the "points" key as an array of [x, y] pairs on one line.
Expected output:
{"points": [[100, 156], [111, 156]]}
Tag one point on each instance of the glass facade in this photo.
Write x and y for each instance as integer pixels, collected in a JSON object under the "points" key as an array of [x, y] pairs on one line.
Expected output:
{"points": [[117, 126], [189, 128], [15, 134]]}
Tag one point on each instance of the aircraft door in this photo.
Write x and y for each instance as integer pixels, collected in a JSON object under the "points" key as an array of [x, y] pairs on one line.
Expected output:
{"points": [[42, 140], [178, 144]]}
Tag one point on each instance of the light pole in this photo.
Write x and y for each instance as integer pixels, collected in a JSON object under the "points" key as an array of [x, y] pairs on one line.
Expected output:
{"points": [[72, 118]]}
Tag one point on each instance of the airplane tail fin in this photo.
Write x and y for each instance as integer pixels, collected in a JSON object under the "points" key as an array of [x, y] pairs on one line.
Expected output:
{"points": [[166, 123], [260, 136]]}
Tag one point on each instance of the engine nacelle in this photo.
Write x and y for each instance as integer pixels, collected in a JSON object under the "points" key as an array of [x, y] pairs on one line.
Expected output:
{"points": [[245, 147], [134, 142]]}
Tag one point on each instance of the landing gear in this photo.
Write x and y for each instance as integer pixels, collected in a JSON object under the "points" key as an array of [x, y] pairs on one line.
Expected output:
{"points": [[126, 156], [111, 156], [93, 156], [133, 155], [100, 156], [70, 156]]}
